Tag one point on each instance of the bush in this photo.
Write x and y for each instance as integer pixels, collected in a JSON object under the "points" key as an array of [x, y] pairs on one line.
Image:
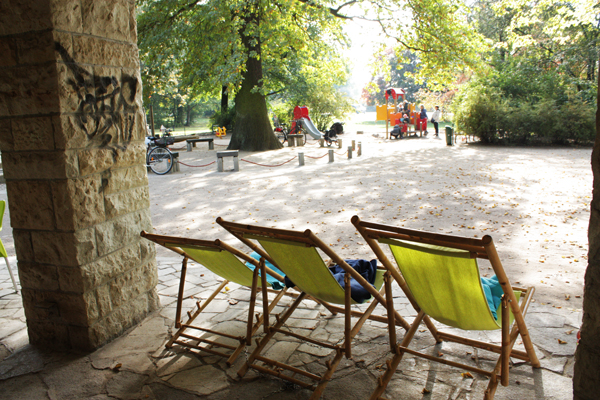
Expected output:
{"points": [[226, 119], [486, 112]]}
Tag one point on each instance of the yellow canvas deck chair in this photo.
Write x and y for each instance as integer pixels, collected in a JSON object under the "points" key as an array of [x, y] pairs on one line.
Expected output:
{"points": [[440, 277], [295, 253], [224, 261]]}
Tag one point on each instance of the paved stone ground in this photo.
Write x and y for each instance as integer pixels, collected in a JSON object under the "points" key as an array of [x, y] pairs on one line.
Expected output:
{"points": [[532, 201], [137, 366]]}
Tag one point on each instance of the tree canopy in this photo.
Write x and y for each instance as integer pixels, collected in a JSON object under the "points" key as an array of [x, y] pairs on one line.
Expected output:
{"points": [[257, 47]]}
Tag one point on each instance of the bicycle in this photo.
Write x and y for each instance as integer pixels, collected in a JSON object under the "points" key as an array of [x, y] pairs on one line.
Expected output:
{"points": [[158, 157], [282, 131]]}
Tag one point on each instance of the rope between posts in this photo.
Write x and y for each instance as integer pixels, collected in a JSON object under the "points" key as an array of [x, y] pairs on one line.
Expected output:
{"points": [[316, 158], [270, 166], [196, 166], [343, 154]]}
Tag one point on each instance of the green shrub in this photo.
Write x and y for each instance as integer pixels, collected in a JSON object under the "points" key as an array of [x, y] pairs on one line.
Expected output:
{"points": [[485, 113], [226, 119]]}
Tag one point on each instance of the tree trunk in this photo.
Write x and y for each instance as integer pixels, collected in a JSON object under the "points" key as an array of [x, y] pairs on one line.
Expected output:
{"points": [[586, 379], [252, 130], [224, 99]]}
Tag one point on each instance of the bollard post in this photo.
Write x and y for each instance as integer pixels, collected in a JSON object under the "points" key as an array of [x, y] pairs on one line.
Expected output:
{"points": [[330, 155], [359, 152], [300, 159], [339, 143], [322, 142], [354, 145], [349, 152]]}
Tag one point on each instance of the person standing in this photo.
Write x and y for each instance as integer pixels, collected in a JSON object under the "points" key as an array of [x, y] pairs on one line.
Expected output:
{"points": [[423, 116], [435, 118]]}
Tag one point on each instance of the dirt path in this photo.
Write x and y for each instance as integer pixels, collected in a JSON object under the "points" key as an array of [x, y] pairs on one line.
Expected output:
{"points": [[534, 202]]}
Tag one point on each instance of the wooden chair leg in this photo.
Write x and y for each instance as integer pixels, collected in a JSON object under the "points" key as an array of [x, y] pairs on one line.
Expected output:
{"points": [[180, 293], [505, 356], [262, 343], [392, 364], [390, 309]]}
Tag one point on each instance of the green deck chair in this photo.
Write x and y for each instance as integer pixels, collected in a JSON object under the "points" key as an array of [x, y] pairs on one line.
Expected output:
{"points": [[228, 263], [3, 252], [440, 277], [295, 253]]}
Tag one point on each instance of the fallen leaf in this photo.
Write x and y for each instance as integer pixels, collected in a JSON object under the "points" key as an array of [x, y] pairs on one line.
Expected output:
{"points": [[466, 375], [425, 391], [233, 302], [561, 342]]}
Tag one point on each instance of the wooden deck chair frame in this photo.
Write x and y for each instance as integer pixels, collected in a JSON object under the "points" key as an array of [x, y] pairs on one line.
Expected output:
{"points": [[248, 234], [259, 281], [510, 307]]}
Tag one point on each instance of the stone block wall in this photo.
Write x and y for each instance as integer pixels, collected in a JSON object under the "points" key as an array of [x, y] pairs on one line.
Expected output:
{"points": [[72, 134]]}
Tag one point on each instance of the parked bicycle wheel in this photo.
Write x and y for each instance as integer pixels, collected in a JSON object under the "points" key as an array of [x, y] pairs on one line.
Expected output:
{"points": [[160, 160]]}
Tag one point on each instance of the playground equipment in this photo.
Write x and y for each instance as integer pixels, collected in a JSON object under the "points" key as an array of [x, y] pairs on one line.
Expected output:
{"points": [[303, 123], [397, 115], [221, 132]]}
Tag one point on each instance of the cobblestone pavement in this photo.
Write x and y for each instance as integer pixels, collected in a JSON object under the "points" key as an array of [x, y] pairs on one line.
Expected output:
{"points": [[137, 365]]}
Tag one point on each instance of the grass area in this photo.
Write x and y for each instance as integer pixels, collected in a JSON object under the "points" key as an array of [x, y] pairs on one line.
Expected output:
{"points": [[200, 125]]}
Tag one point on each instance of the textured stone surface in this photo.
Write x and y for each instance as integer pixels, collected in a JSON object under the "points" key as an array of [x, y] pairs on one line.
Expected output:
{"points": [[201, 380], [126, 229], [36, 93], [137, 365], [37, 276], [35, 199], [126, 178], [35, 47], [78, 203], [70, 249], [112, 18], [39, 165], [34, 133], [95, 160], [126, 202], [29, 16]]}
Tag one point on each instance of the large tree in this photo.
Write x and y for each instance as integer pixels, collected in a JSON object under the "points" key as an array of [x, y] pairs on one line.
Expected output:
{"points": [[248, 45], [586, 379]]}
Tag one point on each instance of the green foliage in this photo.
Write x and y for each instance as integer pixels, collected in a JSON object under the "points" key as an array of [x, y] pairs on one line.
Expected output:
{"points": [[487, 112], [541, 84], [226, 119]]}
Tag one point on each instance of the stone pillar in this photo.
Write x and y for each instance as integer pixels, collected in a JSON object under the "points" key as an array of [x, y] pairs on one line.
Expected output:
{"points": [[72, 139]]}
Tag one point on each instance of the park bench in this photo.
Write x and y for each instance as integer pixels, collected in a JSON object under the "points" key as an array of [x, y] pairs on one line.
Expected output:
{"points": [[192, 143], [228, 153], [295, 140]]}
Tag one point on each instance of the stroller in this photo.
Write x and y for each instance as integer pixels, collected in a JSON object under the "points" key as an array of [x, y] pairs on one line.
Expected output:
{"points": [[330, 136]]}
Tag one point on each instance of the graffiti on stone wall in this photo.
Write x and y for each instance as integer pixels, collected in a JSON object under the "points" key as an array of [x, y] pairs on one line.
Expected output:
{"points": [[107, 107]]}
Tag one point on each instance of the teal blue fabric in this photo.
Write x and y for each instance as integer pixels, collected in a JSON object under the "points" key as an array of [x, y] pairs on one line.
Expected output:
{"points": [[275, 284], [493, 293]]}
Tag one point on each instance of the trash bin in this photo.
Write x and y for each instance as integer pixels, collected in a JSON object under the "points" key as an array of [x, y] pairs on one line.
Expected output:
{"points": [[449, 134]]}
